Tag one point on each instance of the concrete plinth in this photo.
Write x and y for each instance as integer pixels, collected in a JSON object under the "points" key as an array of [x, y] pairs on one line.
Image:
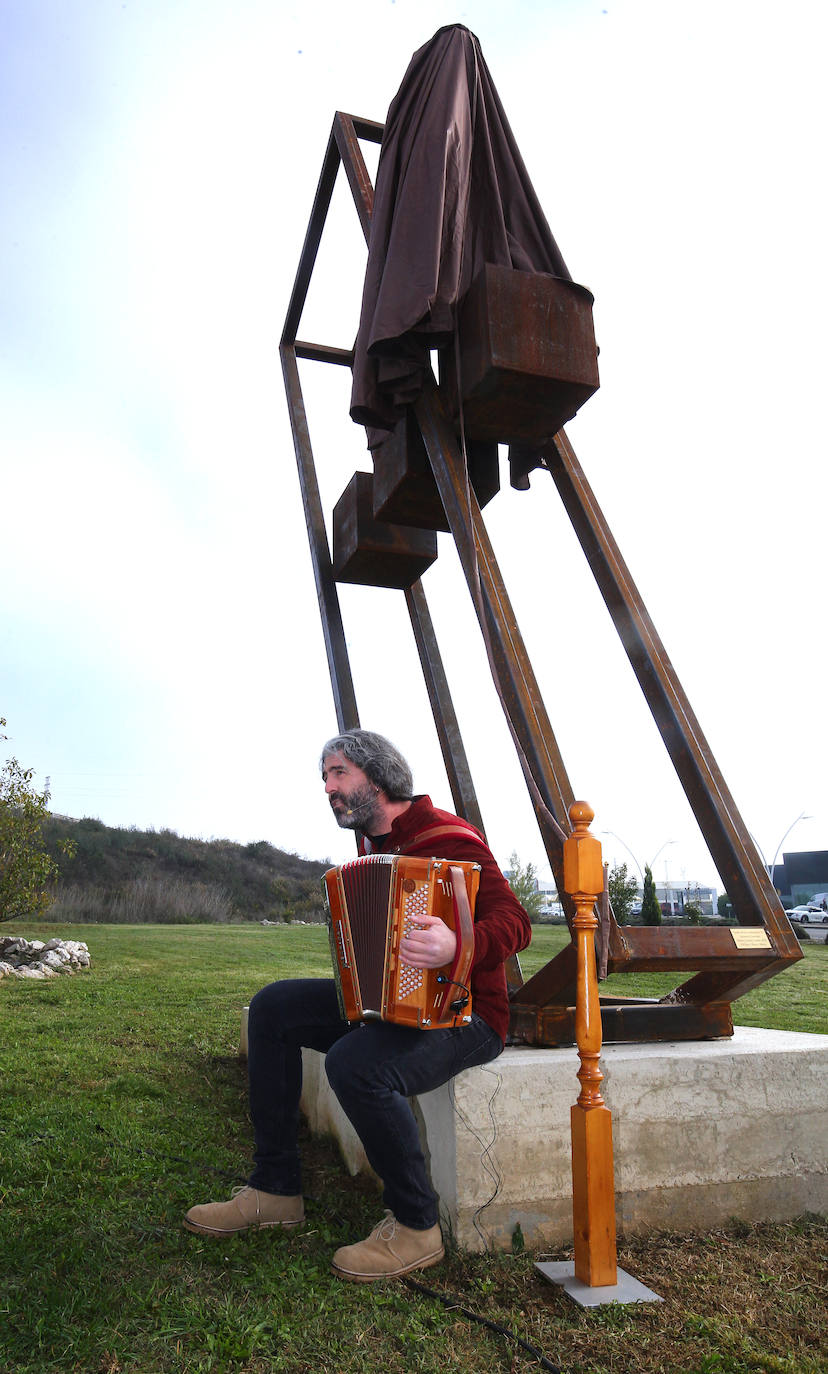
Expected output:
{"points": [[702, 1132]]}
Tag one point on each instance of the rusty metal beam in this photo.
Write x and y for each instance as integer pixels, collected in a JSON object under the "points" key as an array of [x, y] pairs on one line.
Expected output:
{"points": [[621, 1022], [324, 353], [442, 708], [313, 236], [737, 860], [717, 985], [339, 666], [674, 947], [347, 131], [343, 145], [514, 676], [456, 764], [554, 983]]}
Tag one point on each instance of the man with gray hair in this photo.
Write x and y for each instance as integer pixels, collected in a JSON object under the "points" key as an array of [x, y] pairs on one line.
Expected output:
{"points": [[386, 771], [374, 1067]]}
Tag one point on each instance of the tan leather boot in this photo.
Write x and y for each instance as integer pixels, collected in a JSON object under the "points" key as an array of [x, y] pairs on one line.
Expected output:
{"points": [[247, 1209], [389, 1251]]}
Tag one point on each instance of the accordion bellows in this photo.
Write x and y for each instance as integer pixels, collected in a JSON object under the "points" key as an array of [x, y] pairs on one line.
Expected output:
{"points": [[372, 903]]}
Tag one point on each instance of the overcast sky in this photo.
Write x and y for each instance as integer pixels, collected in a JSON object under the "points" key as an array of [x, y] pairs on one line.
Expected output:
{"points": [[163, 661]]}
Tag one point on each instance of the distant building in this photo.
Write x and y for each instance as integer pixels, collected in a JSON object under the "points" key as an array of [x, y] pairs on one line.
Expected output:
{"points": [[674, 897], [551, 909], [800, 875]]}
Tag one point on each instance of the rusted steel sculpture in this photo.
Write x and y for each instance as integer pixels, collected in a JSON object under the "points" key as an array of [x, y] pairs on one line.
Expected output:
{"points": [[432, 481]]}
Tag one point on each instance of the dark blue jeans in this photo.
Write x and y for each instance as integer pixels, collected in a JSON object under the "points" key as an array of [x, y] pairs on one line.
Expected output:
{"points": [[373, 1068]]}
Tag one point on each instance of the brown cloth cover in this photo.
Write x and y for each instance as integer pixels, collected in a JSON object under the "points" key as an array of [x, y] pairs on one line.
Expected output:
{"points": [[451, 194]]}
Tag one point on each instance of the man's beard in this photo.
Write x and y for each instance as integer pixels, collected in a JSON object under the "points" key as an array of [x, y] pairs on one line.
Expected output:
{"points": [[356, 810]]}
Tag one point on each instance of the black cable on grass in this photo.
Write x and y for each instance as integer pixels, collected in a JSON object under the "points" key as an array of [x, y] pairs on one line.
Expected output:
{"points": [[230, 1174], [456, 1306]]}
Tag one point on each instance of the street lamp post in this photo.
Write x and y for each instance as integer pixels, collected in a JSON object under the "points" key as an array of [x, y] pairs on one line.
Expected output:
{"points": [[651, 864], [800, 817], [632, 856], [625, 846]]}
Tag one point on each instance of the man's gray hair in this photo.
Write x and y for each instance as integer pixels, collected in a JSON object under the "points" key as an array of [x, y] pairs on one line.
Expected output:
{"points": [[377, 757]]}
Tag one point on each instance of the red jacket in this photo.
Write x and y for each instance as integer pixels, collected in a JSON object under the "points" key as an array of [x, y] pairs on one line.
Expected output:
{"points": [[501, 926]]}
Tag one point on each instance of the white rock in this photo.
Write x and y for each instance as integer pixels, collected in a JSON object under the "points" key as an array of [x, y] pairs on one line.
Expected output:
{"points": [[79, 951], [13, 944], [34, 959]]}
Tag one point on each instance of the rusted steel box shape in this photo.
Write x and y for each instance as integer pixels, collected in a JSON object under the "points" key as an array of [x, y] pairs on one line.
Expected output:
{"points": [[528, 358], [370, 551], [405, 491]]}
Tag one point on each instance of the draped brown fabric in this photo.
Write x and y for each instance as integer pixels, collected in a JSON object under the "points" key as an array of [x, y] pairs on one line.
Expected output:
{"points": [[452, 193]]}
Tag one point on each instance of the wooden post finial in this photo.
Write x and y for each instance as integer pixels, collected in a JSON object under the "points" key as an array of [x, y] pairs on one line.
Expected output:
{"points": [[581, 815], [583, 868]]}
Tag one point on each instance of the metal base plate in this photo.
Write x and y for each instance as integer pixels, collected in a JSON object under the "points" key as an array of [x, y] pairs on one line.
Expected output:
{"points": [[626, 1289]]}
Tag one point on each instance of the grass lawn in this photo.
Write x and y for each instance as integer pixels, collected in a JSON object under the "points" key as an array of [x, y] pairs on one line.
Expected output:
{"points": [[123, 1101]]}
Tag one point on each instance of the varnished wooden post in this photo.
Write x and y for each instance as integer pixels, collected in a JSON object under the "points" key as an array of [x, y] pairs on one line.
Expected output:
{"points": [[593, 1183]]}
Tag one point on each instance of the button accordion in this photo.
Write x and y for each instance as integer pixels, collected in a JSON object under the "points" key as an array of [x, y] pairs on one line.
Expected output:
{"points": [[372, 903]]}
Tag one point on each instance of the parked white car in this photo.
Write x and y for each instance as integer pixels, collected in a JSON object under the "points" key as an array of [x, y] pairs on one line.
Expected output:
{"points": [[808, 915]]}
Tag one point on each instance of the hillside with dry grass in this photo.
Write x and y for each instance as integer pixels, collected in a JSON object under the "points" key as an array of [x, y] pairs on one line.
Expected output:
{"points": [[126, 876]]}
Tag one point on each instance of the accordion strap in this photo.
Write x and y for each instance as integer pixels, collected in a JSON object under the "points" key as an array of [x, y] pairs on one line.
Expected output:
{"points": [[439, 832], [464, 931]]}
